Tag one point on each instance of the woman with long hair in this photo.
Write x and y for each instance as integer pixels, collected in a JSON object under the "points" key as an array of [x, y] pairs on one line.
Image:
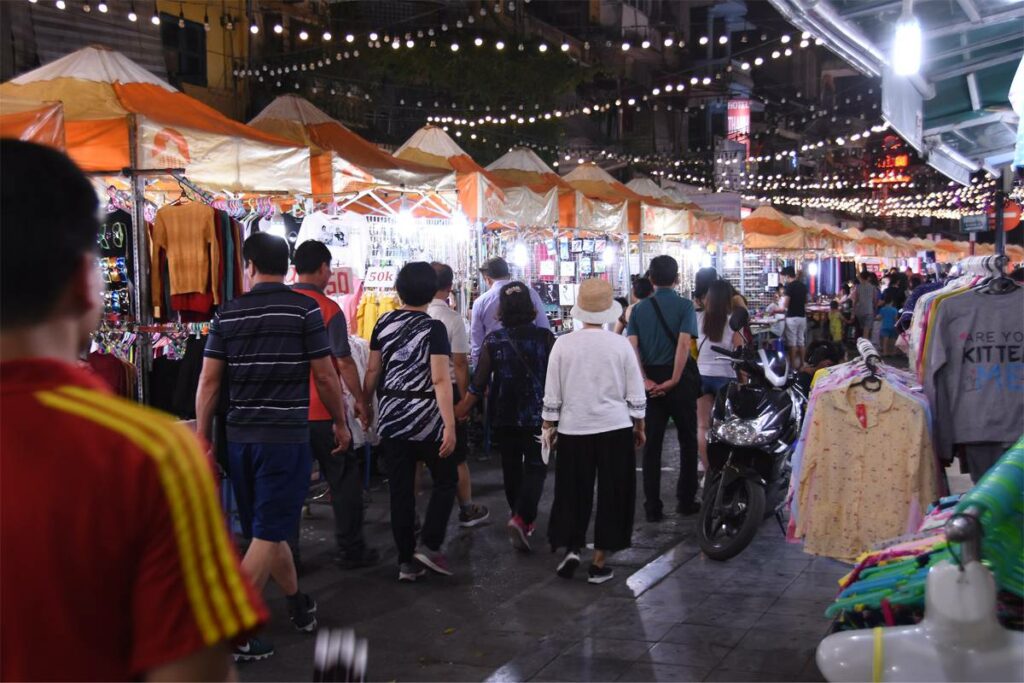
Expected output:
{"points": [[714, 330]]}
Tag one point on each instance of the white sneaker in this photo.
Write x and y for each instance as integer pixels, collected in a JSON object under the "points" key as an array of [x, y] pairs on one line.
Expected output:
{"points": [[567, 567]]}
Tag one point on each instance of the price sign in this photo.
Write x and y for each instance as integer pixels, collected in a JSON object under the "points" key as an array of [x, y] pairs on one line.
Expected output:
{"points": [[380, 277], [340, 282]]}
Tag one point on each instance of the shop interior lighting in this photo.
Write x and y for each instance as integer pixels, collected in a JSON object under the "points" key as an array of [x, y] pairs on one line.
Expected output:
{"points": [[906, 43], [520, 255]]}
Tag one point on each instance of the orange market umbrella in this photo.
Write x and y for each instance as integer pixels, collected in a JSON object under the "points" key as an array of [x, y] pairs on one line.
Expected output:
{"points": [[605, 203], [33, 121], [768, 228], [352, 162], [105, 95]]}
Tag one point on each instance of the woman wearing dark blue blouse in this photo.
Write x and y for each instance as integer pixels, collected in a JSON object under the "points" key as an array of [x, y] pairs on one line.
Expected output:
{"points": [[512, 365]]}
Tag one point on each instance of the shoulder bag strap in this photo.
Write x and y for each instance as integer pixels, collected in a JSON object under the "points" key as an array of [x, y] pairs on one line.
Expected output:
{"points": [[673, 338], [522, 358]]}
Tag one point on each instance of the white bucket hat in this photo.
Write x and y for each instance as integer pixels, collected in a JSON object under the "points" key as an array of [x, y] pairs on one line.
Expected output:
{"points": [[595, 304]]}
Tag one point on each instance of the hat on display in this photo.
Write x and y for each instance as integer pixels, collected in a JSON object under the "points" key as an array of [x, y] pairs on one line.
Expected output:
{"points": [[496, 268], [595, 304]]}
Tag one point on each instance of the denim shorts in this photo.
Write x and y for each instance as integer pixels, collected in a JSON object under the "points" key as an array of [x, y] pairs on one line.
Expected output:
{"points": [[711, 385], [270, 481]]}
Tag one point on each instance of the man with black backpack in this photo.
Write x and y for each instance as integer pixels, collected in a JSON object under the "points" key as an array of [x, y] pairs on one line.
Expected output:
{"points": [[661, 329]]}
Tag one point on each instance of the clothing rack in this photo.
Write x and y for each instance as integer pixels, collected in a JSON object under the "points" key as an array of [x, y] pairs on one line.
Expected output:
{"points": [[983, 265]]}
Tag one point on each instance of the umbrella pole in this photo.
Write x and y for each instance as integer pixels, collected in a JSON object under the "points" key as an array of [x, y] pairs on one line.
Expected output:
{"points": [[140, 280]]}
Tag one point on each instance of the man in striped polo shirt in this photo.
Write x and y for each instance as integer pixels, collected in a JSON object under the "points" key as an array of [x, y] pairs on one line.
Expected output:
{"points": [[267, 341], [117, 564]]}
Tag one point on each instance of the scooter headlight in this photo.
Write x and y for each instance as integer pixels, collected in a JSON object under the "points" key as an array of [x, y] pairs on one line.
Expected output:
{"points": [[739, 432]]}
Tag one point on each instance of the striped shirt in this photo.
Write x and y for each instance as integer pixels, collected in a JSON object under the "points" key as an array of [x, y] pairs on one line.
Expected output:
{"points": [[267, 337], [408, 405], [129, 565]]}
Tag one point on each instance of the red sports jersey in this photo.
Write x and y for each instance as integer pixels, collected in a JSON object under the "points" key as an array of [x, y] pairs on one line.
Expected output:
{"points": [[114, 554], [328, 309]]}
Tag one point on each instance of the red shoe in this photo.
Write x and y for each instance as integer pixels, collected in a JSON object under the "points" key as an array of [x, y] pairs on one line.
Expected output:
{"points": [[518, 532]]}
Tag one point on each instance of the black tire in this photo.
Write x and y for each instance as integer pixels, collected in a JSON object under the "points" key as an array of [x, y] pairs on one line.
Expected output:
{"points": [[722, 548]]}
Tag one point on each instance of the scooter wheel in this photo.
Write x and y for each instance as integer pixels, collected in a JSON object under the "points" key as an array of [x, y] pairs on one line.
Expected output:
{"points": [[724, 531]]}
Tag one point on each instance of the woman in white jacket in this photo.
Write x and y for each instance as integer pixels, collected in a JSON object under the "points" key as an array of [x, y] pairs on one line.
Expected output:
{"points": [[594, 397]]}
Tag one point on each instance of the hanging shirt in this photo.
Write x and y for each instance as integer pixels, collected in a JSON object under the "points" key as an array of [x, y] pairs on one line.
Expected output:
{"points": [[974, 372], [408, 405], [868, 472], [344, 235], [129, 565], [187, 233]]}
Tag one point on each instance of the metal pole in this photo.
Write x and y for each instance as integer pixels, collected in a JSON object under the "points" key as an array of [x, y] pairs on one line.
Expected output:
{"points": [[743, 279], [1000, 210], [141, 308]]}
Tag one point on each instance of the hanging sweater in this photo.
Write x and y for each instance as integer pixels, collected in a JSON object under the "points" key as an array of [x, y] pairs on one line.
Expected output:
{"points": [[187, 234]]}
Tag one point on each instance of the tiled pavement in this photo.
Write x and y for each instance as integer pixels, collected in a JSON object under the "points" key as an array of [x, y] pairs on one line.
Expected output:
{"points": [[670, 614]]}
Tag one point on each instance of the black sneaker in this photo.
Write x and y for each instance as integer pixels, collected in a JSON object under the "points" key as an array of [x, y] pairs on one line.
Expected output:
{"points": [[302, 612], [655, 517], [410, 572], [475, 515], [598, 575], [252, 650], [368, 558], [688, 508], [567, 567]]}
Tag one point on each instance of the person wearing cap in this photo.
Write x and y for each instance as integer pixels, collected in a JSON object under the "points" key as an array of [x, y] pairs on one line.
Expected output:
{"points": [[485, 311], [794, 301], [594, 397]]}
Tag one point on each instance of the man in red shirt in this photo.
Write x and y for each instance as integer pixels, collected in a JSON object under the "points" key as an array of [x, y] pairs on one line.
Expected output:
{"points": [[313, 270], [115, 562]]}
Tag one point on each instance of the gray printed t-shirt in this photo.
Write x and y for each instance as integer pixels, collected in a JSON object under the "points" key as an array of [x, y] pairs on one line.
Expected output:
{"points": [[974, 377]]}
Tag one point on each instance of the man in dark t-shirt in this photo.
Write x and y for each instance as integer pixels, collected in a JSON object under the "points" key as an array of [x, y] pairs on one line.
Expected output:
{"points": [[795, 302]]}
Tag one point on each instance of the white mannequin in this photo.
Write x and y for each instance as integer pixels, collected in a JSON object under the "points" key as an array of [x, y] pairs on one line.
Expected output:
{"points": [[959, 638]]}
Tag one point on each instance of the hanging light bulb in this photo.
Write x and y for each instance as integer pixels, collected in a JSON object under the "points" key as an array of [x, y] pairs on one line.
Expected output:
{"points": [[543, 47], [703, 40], [155, 19], [102, 7], [278, 29], [303, 34], [565, 47], [906, 43], [478, 41], [646, 44], [86, 7], [500, 45], [327, 36], [373, 37], [60, 4], [181, 16], [668, 41], [132, 16], [410, 43], [722, 40], [455, 47], [395, 44], [625, 46], [254, 28]]}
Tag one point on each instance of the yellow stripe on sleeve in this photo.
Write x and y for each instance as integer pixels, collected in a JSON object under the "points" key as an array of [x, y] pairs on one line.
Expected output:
{"points": [[100, 410], [213, 541]]}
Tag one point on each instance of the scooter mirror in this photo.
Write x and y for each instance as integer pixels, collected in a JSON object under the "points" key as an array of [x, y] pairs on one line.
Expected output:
{"points": [[739, 319]]}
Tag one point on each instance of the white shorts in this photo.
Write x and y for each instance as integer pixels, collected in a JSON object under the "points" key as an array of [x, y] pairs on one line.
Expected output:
{"points": [[796, 331]]}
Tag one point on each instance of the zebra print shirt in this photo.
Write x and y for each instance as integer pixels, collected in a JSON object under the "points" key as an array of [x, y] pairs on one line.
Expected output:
{"points": [[408, 407]]}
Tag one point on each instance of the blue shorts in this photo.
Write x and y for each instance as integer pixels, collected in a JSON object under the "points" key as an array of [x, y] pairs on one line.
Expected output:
{"points": [[711, 385], [270, 481]]}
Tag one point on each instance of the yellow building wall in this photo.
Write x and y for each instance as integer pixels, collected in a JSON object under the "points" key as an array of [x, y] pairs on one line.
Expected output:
{"points": [[223, 49]]}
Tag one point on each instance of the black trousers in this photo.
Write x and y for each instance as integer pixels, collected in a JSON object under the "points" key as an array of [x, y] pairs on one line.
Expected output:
{"points": [[400, 458], [610, 458], [523, 468], [343, 479], [679, 405]]}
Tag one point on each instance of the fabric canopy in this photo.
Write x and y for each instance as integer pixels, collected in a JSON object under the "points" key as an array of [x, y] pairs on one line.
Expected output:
{"points": [[602, 202], [661, 214], [41, 122], [105, 94], [354, 163], [767, 228], [521, 167]]}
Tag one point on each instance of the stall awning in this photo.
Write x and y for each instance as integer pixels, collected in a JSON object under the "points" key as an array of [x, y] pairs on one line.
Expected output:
{"points": [[105, 94], [41, 122], [355, 163]]}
